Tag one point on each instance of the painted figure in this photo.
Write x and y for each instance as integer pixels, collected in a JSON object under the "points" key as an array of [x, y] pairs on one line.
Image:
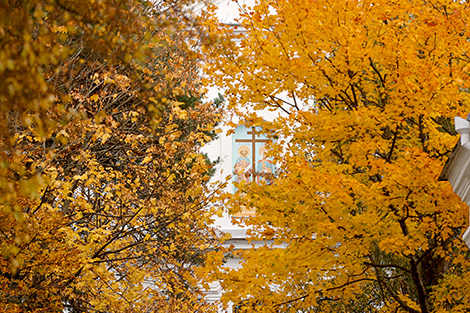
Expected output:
{"points": [[265, 168], [242, 165]]}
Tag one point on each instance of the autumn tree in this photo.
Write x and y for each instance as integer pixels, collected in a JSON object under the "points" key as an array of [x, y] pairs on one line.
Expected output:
{"points": [[365, 93], [104, 191]]}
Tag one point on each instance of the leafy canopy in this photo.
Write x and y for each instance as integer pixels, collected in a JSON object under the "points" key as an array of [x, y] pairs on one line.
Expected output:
{"points": [[364, 92], [103, 189]]}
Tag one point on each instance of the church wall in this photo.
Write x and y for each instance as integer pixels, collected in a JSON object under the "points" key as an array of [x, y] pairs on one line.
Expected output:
{"points": [[457, 172]]}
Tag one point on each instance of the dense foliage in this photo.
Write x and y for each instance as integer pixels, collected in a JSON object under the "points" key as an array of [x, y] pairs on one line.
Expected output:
{"points": [[103, 204], [365, 93]]}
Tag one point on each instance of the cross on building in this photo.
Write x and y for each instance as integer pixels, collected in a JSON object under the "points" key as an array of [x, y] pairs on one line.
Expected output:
{"points": [[253, 140]]}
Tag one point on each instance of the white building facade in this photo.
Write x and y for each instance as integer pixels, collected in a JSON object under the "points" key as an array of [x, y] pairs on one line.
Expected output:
{"points": [[240, 155], [457, 168]]}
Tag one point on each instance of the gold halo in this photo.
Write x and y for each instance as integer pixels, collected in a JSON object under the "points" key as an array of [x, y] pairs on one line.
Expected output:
{"points": [[261, 149], [243, 148]]}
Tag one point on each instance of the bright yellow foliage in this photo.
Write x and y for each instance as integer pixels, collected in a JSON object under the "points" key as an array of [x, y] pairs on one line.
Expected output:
{"points": [[103, 197], [365, 93]]}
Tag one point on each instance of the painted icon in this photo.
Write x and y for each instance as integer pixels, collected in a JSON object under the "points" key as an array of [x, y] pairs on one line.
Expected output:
{"points": [[242, 167]]}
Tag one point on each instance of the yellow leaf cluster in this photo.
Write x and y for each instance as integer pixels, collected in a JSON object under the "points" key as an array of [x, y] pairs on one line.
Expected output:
{"points": [[102, 184], [364, 93]]}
